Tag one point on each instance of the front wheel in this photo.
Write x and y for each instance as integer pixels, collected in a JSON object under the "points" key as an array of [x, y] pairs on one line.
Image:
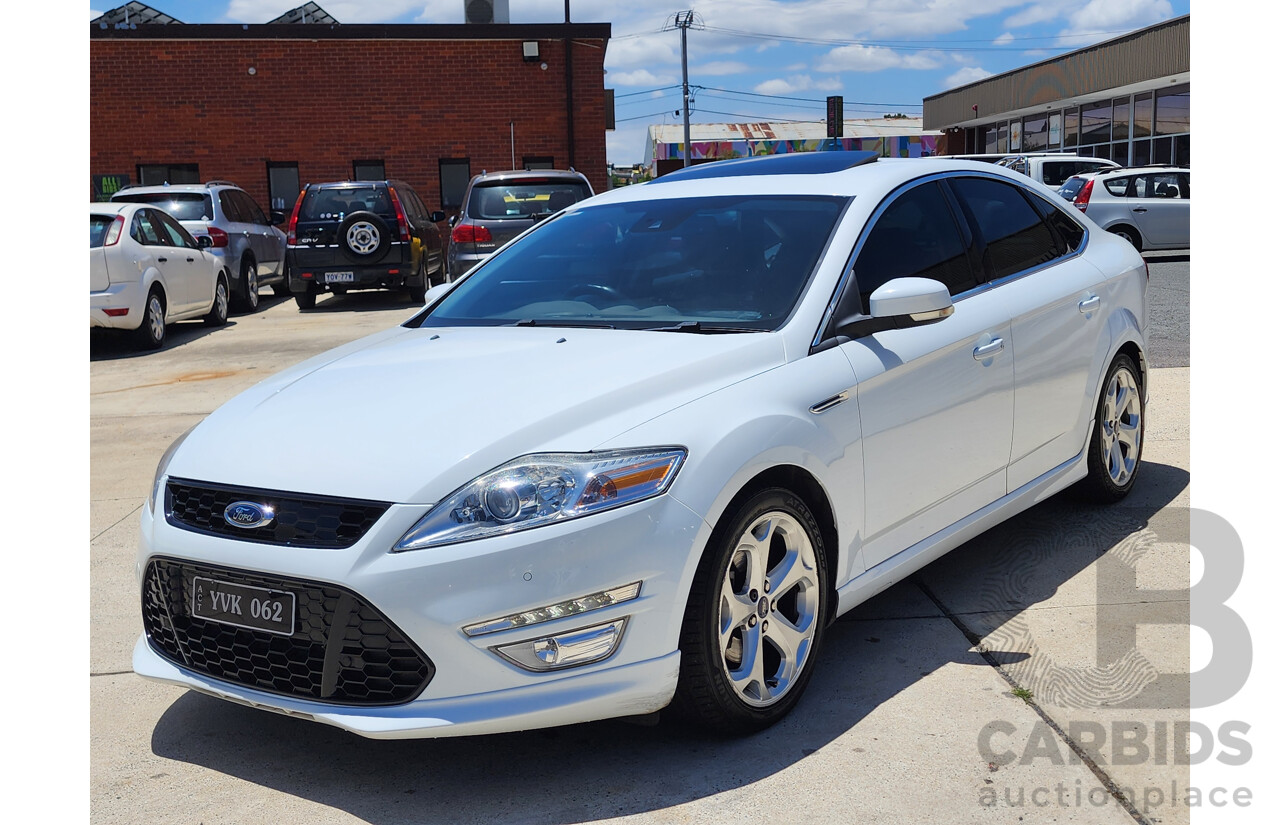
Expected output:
{"points": [[150, 334], [1115, 448], [249, 285], [755, 616]]}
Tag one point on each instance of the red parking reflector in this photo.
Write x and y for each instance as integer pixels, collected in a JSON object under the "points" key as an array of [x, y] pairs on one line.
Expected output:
{"points": [[116, 313]]}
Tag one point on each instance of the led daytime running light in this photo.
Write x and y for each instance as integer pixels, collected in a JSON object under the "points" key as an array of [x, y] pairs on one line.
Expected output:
{"points": [[572, 607]]}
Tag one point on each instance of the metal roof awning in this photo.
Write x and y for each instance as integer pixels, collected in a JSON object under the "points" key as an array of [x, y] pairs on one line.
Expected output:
{"points": [[133, 14]]}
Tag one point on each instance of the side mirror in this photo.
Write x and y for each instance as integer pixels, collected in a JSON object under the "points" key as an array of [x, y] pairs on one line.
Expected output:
{"points": [[453, 221], [919, 300], [437, 292], [204, 242], [437, 216], [278, 217]]}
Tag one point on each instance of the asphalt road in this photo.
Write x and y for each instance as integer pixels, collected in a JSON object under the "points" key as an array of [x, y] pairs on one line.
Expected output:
{"points": [[1169, 304], [889, 730]]}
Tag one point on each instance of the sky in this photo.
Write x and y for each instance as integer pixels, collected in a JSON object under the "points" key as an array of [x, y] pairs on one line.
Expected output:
{"points": [[770, 60]]}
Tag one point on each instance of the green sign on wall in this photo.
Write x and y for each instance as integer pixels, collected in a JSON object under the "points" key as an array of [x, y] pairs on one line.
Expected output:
{"points": [[104, 186]]}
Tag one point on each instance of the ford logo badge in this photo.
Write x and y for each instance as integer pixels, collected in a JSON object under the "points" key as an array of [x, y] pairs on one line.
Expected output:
{"points": [[248, 514]]}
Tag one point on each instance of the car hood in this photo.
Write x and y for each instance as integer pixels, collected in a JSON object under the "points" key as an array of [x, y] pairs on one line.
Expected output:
{"points": [[409, 415]]}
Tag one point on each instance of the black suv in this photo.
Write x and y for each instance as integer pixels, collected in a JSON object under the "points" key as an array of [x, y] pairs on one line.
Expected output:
{"points": [[363, 235]]}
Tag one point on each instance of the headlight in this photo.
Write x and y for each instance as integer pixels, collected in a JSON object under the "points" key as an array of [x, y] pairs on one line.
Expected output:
{"points": [[544, 489], [162, 468]]}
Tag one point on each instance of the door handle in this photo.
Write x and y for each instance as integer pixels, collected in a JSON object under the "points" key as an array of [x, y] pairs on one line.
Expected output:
{"points": [[1090, 304], [191, 260], [990, 350], [162, 260], [1139, 209]]}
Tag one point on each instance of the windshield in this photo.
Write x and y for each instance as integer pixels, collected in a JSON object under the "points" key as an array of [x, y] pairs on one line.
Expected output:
{"points": [[337, 202], [717, 263], [524, 198], [185, 206]]}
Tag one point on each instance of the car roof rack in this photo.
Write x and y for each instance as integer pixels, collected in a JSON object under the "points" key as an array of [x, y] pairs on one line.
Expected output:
{"points": [[221, 183], [791, 163]]}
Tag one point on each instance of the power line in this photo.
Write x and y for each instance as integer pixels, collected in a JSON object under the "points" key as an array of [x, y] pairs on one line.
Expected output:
{"points": [[647, 91], [805, 99], [933, 45]]}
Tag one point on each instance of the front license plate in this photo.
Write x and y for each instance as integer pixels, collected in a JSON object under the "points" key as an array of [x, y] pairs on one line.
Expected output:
{"points": [[339, 277], [256, 608]]}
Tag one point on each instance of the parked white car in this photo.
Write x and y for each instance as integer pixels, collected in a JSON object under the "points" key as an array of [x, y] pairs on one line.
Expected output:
{"points": [[1053, 169], [146, 272], [1150, 207], [656, 445]]}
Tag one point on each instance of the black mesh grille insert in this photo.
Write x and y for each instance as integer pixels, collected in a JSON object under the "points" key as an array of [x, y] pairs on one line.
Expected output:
{"points": [[342, 650], [300, 520]]}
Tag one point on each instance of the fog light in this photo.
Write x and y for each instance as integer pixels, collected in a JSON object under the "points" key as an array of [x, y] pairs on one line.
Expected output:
{"points": [[578, 647], [571, 607]]}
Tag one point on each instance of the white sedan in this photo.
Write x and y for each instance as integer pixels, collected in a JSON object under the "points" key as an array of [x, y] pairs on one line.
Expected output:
{"points": [[146, 271], [641, 457]]}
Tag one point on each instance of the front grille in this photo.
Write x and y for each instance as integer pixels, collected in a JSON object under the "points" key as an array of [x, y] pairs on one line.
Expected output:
{"points": [[301, 520], [342, 650]]}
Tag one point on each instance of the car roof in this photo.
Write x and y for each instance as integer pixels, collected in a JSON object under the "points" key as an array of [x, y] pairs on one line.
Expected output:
{"points": [[518, 174], [201, 188], [870, 178], [1133, 170], [111, 208]]}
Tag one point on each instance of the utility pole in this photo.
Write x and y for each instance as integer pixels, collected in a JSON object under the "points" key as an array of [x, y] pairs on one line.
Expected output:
{"points": [[684, 20]]}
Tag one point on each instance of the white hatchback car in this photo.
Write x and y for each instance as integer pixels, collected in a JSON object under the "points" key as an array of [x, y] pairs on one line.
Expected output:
{"points": [[1150, 207], [146, 272], [660, 442]]}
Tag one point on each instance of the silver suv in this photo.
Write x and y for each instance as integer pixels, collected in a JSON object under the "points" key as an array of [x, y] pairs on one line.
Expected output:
{"points": [[243, 237], [497, 206], [1053, 169], [1148, 206]]}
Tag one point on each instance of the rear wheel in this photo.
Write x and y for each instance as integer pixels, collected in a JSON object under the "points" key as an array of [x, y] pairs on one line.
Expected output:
{"points": [[151, 332], [306, 300], [1129, 234], [218, 312], [755, 616]]}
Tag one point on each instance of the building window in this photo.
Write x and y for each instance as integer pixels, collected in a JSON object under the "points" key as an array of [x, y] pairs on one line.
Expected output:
{"points": [[368, 170], [283, 185], [1141, 152], [538, 162], [455, 173], [1182, 150], [1035, 134], [1142, 111], [1002, 137], [1071, 128], [1120, 119], [151, 174], [1173, 110], [1095, 123]]}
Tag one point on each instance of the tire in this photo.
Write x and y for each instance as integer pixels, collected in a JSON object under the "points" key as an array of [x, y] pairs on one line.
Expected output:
{"points": [[221, 301], [151, 332], [418, 294], [1115, 446], [1129, 234], [306, 300], [248, 298], [364, 237], [735, 610]]}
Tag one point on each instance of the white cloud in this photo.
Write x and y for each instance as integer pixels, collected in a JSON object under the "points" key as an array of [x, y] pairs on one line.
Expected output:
{"points": [[1041, 12], [968, 74], [873, 59], [1003, 39], [718, 68], [640, 77], [797, 83], [1112, 17]]}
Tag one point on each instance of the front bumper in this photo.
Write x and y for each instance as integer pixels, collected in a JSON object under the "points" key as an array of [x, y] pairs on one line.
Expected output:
{"points": [[430, 595]]}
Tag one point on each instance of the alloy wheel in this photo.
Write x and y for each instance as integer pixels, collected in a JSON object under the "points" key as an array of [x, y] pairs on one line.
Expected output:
{"points": [[1121, 423]]}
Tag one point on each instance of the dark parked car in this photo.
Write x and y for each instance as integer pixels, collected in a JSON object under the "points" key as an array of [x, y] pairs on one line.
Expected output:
{"points": [[497, 206], [363, 235]]}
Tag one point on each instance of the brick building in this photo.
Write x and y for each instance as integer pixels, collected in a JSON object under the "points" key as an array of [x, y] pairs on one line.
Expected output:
{"points": [[273, 106]]}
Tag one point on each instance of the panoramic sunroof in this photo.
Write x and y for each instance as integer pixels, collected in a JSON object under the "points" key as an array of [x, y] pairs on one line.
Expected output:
{"points": [[792, 163]]}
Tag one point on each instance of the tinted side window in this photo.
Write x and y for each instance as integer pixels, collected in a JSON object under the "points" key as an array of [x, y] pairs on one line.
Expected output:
{"points": [[916, 236], [146, 230], [180, 236], [248, 208], [1119, 187], [1070, 233], [1015, 236], [230, 208]]}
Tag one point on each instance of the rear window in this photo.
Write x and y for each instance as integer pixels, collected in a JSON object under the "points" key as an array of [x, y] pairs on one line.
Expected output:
{"points": [[524, 199], [185, 206], [1071, 188], [1057, 171], [98, 226], [338, 202]]}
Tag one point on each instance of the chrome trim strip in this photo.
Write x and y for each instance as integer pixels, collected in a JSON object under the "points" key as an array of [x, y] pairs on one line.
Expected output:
{"points": [[823, 406]]}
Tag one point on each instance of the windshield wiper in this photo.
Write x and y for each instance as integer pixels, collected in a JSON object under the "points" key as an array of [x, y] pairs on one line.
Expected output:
{"points": [[697, 328], [533, 322]]}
